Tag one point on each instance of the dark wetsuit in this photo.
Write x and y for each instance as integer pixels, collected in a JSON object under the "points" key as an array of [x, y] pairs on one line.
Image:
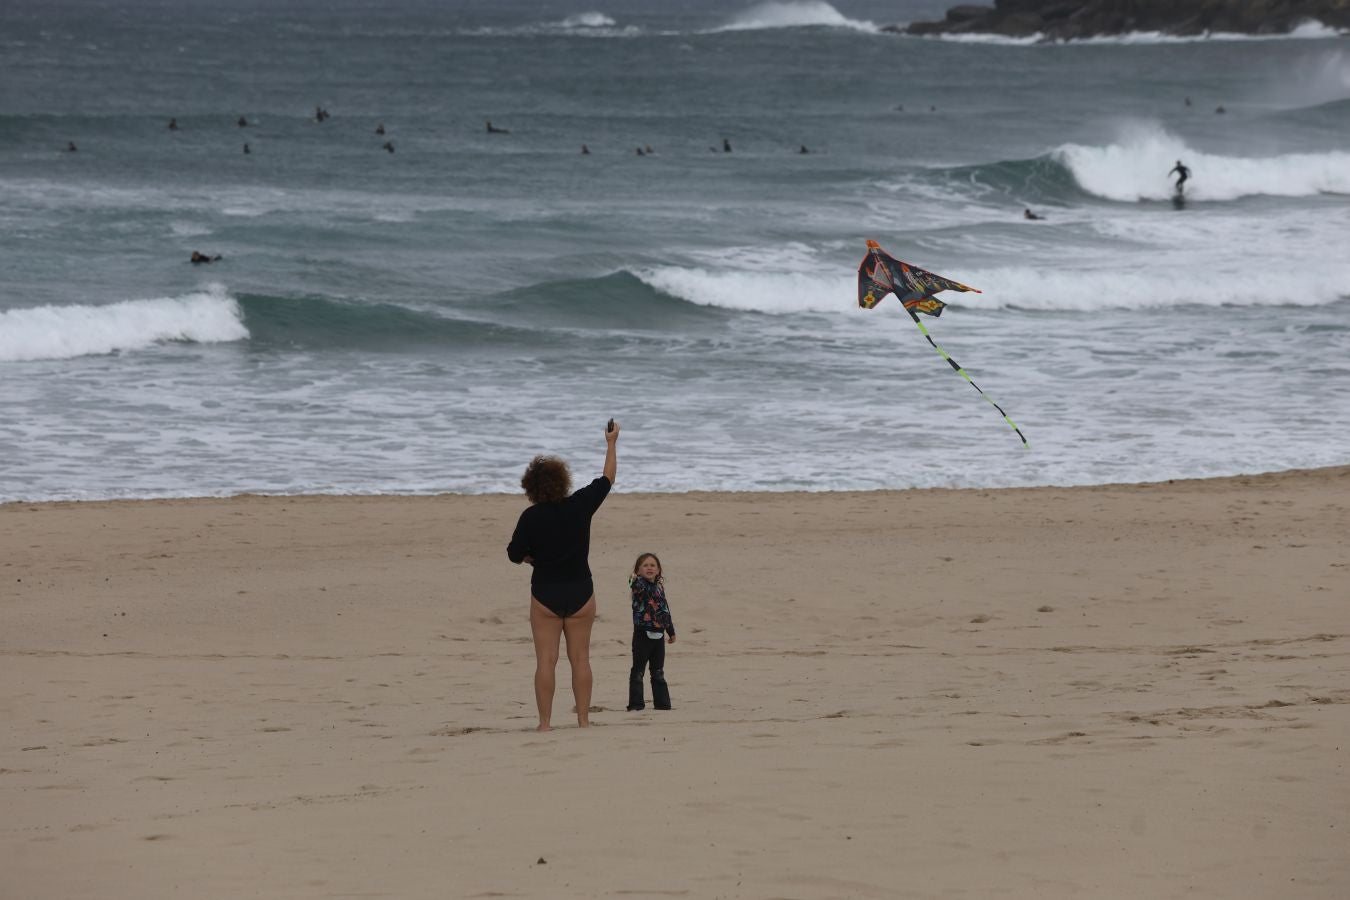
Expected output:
{"points": [[1182, 174], [557, 536]]}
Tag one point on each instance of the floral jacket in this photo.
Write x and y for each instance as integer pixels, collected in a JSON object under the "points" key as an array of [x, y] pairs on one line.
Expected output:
{"points": [[650, 610]]}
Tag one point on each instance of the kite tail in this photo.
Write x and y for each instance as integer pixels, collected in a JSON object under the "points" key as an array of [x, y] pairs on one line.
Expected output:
{"points": [[962, 372]]}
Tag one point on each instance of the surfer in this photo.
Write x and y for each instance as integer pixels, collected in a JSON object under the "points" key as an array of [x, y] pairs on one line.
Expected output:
{"points": [[243, 122], [389, 145], [198, 258], [246, 150], [493, 129], [803, 150], [379, 129], [553, 535], [1028, 214], [726, 145], [173, 124], [585, 151], [1182, 174], [70, 147]]}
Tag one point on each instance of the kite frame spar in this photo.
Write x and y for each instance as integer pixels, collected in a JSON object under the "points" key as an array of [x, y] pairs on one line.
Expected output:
{"points": [[880, 274]]}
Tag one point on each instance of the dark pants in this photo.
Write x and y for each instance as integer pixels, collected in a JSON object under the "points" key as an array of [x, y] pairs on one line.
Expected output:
{"points": [[647, 651]]}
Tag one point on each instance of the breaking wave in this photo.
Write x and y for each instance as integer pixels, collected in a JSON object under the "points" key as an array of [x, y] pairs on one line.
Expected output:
{"points": [[1135, 168], [65, 332], [1026, 288], [588, 20], [1144, 287], [794, 14]]}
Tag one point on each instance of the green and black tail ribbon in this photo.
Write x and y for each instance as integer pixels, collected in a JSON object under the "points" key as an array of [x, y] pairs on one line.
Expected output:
{"points": [[962, 372]]}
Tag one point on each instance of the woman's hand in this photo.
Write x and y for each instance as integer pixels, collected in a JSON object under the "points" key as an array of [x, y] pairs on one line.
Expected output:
{"points": [[612, 431]]}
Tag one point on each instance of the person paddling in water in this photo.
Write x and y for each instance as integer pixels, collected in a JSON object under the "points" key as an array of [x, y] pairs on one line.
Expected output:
{"points": [[1182, 174], [553, 535]]}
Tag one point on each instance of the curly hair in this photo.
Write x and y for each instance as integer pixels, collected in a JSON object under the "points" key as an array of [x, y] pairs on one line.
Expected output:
{"points": [[546, 480]]}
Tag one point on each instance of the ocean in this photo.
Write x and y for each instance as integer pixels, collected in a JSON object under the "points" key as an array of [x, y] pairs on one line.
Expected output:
{"points": [[426, 320]]}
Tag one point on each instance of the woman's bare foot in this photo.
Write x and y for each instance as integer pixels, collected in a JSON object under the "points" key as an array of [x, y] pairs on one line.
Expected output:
{"points": [[544, 727]]}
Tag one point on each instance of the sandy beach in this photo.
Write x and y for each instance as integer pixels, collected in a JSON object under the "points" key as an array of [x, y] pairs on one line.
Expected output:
{"points": [[1110, 692]]}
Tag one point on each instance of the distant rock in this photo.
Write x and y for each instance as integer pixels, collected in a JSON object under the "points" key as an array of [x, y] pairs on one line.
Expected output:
{"points": [[1065, 20]]}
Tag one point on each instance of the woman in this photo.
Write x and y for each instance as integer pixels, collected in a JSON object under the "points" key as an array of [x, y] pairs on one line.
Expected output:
{"points": [[554, 536]]}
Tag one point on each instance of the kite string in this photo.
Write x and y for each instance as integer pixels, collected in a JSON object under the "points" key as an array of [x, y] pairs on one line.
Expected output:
{"points": [[962, 372]]}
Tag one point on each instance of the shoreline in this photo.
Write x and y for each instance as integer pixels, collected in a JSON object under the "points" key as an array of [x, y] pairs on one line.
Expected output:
{"points": [[1105, 691], [254, 495]]}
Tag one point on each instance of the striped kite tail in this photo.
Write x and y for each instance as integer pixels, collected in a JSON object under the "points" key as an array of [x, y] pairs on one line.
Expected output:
{"points": [[962, 372]]}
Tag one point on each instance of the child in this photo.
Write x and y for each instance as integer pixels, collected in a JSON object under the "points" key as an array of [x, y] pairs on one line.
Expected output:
{"points": [[652, 627]]}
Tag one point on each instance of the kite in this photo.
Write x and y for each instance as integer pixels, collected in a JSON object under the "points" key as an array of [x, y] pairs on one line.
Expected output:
{"points": [[880, 274]]}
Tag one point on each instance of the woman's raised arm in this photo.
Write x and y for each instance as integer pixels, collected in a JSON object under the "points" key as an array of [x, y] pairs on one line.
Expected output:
{"points": [[611, 460]]}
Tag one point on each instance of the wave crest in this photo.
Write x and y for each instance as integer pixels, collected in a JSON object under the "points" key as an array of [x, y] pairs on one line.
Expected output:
{"points": [[1135, 168], [794, 14], [65, 332], [588, 20], [1022, 287]]}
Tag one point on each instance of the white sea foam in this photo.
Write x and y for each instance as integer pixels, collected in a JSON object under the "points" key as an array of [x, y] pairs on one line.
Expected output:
{"points": [[585, 24], [64, 332], [588, 20], [1307, 31], [986, 38], [1046, 287], [1155, 287], [794, 14], [1136, 166], [779, 292]]}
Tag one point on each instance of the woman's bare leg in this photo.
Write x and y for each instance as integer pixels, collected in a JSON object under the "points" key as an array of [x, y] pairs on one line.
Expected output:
{"points": [[578, 631], [546, 628]]}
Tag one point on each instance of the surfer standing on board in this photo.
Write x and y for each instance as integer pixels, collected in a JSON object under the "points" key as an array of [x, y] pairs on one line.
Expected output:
{"points": [[1182, 174]]}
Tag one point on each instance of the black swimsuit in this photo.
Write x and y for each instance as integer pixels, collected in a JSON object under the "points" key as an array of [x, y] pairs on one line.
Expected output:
{"points": [[557, 537], [563, 598]]}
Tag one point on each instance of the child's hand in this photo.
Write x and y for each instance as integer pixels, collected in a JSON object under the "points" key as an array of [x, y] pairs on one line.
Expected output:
{"points": [[670, 638]]}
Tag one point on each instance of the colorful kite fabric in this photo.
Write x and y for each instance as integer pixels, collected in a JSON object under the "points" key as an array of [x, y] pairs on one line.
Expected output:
{"points": [[880, 274]]}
